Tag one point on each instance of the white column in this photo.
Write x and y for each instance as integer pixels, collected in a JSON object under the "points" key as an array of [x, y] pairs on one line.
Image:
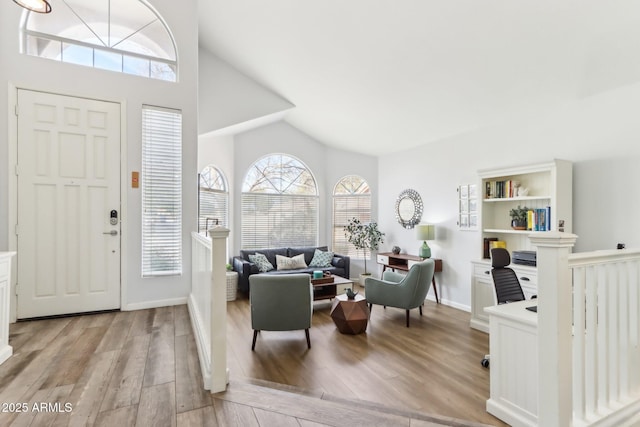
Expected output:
{"points": [[554, 328], [218, 325]]}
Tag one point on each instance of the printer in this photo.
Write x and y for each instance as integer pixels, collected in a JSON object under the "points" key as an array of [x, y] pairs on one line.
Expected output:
{"points": [[524, 258]]}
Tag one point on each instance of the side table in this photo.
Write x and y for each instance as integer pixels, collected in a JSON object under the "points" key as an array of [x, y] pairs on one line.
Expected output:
{"points": [[350, 315]]}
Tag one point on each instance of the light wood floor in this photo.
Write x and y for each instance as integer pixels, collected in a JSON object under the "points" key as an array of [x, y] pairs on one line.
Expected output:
{"points": [[140, 368]]}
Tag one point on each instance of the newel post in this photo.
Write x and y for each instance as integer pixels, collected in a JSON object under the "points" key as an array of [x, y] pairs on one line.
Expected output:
{"points": [[555, 403], [218, 325]]}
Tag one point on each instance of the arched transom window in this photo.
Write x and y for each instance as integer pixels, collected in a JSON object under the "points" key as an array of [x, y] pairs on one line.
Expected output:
{"points": [[125, 36], [351, 199], [279, 204], [213, 199]]}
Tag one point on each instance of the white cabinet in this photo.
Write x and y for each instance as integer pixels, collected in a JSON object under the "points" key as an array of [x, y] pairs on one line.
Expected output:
{"points": [[513, 345], [483, 294], [5, 297]]}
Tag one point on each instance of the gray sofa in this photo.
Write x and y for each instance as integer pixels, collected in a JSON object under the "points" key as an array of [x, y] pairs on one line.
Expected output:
{"points": [[245, 268]]}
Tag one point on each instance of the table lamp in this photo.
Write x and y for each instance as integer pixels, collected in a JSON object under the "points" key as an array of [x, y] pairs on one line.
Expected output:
{"points": [[425, 232]]}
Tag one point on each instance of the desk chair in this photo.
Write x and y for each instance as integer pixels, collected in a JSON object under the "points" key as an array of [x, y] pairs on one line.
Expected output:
{"points": [[505, 282]]}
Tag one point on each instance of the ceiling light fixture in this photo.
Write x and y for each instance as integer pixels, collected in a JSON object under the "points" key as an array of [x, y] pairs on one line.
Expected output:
{"points": [[40, 6]]}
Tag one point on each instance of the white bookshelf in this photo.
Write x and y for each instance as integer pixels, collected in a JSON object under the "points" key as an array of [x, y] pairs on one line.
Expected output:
{"points": [[549, 184]]}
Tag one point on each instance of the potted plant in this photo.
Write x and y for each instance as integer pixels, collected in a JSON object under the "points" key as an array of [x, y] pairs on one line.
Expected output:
{"points": [[365, 237], [519, 217]]}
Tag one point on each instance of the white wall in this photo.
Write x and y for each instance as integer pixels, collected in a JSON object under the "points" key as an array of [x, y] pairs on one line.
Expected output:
{"points": [[21, 71], [599, 134], [228, 97]]}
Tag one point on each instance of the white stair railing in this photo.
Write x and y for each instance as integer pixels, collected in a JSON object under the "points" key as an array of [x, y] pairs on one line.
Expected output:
{"points": [[208, 305], [588, 334], [606, 352]]}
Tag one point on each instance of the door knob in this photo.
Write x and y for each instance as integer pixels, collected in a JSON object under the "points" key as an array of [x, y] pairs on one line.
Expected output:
{"points": [[112, 232]]}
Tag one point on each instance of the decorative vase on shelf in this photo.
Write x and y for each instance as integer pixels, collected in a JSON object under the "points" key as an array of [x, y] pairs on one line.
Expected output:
{"points": [[395, 250], [518, 225]]}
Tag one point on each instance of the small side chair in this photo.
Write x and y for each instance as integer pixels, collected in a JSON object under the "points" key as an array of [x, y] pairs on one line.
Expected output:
{"points": [[407, 291], [280, 302]]}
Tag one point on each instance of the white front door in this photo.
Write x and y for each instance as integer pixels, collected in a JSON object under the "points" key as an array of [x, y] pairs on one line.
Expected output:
{"points": [[68, 190]]}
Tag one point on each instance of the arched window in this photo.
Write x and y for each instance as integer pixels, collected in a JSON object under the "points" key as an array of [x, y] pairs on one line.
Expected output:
{"points": [[126, 36], [351, 198], [213, 199], [279, 204]]}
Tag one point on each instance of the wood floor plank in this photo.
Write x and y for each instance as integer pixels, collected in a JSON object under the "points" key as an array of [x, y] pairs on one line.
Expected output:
{"points": [[68, 369], [118, 331], [89, 391], [125, 416], [201, 417], [231, 414], [270, 418], [182, 320], [160, 367], [190, 392], [126, 380], [157, 406]]}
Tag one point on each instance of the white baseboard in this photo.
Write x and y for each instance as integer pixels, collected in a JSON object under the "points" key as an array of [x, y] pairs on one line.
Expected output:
{"points": [[154, 304], [451, 304]]}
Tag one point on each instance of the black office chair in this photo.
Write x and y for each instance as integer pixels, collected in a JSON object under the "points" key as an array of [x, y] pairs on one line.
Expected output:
{"points": [[505, 282]]}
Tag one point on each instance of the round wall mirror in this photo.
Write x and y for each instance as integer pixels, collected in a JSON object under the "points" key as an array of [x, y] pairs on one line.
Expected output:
{"points": [[409, 208]]}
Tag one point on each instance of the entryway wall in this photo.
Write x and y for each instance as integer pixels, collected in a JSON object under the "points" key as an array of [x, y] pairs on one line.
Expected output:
{"points": [[132, 92]]}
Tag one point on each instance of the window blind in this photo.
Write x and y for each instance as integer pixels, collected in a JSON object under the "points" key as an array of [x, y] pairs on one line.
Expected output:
{"points": [[279, 220], [346, 207], [213, 204], [161, 192]]}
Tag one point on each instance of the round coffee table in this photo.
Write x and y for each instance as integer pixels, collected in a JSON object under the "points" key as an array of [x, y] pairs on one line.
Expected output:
{"points": [[350, 315]]}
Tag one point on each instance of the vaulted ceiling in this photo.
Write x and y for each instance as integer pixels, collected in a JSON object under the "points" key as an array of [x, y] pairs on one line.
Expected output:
{"points": [[383, 75]]}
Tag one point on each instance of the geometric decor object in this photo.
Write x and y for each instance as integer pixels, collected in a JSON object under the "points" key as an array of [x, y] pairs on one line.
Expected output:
{"points": [[350, 315]]}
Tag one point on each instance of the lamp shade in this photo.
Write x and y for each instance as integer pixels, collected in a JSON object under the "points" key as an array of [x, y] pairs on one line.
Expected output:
{"points": [[426, 232], [40, 6]]}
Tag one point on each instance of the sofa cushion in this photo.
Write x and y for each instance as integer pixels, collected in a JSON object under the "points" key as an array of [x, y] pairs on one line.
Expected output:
{"points": [[293, 263], [269, 253], [307, 251], [261, 261], [321, 259]]}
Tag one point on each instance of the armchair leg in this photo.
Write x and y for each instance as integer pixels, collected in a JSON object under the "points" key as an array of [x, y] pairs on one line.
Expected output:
{"points": [[255, 335], [407, 318], [306, 332], [370, 307], [420, 310]]}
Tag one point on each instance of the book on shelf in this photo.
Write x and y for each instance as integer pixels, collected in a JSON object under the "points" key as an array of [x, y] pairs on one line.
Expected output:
{"points": [[500, 189], [539, 219]]}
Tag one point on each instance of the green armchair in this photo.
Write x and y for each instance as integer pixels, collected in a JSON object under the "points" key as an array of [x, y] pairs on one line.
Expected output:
{"points": [[406, 291], [282, 302]]}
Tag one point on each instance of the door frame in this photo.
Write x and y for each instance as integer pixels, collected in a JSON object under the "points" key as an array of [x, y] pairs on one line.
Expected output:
{"points": [[12, 161]]}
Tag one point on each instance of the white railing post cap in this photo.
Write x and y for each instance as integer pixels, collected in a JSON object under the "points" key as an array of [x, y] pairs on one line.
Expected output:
{"points": [[218, 232], [553, 239]]}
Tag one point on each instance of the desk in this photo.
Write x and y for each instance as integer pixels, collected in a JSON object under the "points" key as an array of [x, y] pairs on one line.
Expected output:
{"points": [[404, 262], [513, 345]]}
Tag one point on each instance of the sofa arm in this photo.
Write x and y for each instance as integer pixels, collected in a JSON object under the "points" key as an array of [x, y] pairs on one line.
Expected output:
{"points": [[244, 269], [342, 261]]}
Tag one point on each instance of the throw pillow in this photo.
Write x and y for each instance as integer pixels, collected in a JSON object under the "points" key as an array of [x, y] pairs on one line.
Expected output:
{"points": [[286, 263], [261, 261], [321, 259]]}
